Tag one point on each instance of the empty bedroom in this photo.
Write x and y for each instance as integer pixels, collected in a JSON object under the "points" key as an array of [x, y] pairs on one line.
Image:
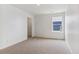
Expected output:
{"points": [[38, 28]]}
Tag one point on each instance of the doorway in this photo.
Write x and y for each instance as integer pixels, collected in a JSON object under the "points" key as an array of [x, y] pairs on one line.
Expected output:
{"points": [[29, 26]]}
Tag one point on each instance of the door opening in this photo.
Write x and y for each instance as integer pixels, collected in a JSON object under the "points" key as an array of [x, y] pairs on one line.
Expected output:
{"points": [[29, 26]]}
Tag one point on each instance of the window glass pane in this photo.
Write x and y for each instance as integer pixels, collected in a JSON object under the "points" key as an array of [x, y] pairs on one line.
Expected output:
{"points": [[57, 22], [57, 25]]}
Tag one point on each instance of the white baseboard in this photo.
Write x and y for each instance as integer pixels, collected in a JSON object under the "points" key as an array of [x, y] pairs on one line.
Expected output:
{"points": [[45, 37], [11, 44]]}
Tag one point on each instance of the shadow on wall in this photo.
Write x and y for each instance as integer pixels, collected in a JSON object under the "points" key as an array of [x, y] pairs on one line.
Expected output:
{"points": [[73, 35]]}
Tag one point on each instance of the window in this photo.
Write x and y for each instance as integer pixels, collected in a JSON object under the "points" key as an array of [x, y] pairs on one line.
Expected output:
{"points": [[57, 23]]}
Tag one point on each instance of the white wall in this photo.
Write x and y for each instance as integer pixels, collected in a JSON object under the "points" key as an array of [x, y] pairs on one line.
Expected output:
{"points": [[43, 26], [33, 26], [13, 25], [1, 26], [72, 27]]}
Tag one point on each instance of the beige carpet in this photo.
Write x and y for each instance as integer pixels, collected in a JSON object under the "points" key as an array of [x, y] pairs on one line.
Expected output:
{"points": [[38, 46]]}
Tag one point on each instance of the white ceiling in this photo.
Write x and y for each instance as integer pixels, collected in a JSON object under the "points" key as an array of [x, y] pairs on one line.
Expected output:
{"points": [[42, 8]]}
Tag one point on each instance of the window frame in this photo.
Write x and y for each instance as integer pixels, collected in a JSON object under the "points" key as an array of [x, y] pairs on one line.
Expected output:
{"points": [[57, 19]]}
